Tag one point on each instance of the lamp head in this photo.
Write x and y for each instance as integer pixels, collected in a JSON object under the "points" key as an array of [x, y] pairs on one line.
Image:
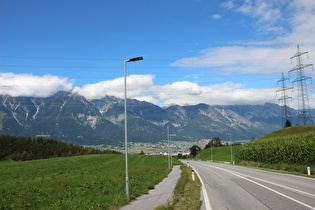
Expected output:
{"points": [[135, 59]]}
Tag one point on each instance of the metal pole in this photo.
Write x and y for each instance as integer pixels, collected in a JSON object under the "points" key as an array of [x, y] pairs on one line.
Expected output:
{"points": [[168, 145], [125, 107], [126, 138], [170, 154], [231, 147], [211, 149]]}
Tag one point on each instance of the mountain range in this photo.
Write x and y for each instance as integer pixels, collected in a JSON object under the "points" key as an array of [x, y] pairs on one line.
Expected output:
{"points": [[72, 118]]}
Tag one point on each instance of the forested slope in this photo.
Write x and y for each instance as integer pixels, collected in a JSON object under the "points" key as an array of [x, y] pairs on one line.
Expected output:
{"points": [[26, 148]]}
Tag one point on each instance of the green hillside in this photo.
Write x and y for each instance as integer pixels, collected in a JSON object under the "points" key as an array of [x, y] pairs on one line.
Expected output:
{"points": [[219, 154], [80, 182], [291, 148], [294, 130]]}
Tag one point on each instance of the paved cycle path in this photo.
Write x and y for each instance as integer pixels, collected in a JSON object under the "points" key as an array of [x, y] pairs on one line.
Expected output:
{"points": [[161, 194]]}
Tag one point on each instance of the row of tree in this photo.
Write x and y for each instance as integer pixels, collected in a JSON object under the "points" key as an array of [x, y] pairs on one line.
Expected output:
{"points": [[25, 148]]}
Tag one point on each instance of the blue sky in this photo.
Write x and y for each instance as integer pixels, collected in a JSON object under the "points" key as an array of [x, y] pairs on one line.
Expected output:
{"points": [[218, 52]]}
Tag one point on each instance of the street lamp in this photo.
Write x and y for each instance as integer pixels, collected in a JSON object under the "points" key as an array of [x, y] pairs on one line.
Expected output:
{"points": [[231, 147], [125, 106], [211, 149], [168, 145]]}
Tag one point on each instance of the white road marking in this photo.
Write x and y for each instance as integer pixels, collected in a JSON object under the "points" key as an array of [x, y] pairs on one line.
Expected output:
{"points": [[204, 192], [243, 177]]}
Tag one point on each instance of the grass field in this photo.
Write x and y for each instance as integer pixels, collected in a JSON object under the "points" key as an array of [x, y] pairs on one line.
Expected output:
{"points": [[219, 154], [81, 182]]}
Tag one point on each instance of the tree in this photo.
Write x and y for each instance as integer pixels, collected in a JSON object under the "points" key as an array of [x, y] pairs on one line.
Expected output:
{"points": [[194, 150], [215, 142], [287, 124]]}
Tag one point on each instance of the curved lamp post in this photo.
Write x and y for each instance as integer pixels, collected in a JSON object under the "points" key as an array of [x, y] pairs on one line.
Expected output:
{"points": [[168, 145], [231, 147], [125, 107]]}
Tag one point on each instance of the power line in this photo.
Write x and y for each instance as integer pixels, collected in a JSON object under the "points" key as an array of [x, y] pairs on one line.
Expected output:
{"points": [[57, 58]]}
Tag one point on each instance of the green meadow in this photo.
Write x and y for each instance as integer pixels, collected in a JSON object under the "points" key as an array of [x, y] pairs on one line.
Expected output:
{"points": [[219, 154], [80, 182]]}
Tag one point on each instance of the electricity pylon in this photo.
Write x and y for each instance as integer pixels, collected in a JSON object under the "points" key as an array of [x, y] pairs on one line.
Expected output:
{"points": [[284, 99], [301, 85]]}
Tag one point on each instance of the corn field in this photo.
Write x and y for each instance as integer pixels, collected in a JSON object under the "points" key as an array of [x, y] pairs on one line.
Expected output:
{"points": [[292, 149]]}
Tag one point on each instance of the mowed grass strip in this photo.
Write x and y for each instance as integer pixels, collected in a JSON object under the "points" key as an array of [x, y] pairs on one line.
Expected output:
{"points": [[81, 182], [186, 193]]}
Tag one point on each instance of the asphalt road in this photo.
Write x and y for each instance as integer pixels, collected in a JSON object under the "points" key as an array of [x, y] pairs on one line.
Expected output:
{"points": [[234, 187]]}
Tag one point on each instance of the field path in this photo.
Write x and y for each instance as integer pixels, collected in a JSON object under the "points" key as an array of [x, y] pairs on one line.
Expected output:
{"points": [[162, 193]]}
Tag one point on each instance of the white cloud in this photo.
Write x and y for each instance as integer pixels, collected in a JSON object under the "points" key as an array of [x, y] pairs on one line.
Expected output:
{"points": [[137, 85], [142, 87], [30, 85], [216, 16], [242, 59], [184, 93], [265, 13], [262, 57], [228, 5]]}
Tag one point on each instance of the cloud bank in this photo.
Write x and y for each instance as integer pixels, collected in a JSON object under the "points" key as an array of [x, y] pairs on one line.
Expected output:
{"points": [[34, 86], [140, 87]]}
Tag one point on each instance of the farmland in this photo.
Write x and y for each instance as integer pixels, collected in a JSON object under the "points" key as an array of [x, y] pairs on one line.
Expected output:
{"points": [[81, 182], [289, 149]]}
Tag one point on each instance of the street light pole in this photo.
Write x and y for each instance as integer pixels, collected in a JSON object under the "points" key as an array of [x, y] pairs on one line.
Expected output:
{"points": [[231, 147], [211, 149], [168, 145], [125, 110]]}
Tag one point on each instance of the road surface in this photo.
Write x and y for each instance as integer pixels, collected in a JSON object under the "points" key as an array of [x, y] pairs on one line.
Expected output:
{"points": [[234, 187]]}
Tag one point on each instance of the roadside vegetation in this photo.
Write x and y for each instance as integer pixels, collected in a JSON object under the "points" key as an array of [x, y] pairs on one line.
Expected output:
{"points": [[186, 193], [80, 182], [288, 149]]}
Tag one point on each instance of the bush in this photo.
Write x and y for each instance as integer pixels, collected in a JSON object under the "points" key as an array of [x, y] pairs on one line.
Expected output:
{"points": [[2, 156]]}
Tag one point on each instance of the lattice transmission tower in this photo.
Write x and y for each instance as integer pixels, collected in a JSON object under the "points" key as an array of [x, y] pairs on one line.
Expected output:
{"points": [[301, 86], [284, 99]]}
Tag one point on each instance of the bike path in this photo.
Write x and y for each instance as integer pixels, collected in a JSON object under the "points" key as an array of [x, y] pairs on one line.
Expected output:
{"points": [[161, 194]]}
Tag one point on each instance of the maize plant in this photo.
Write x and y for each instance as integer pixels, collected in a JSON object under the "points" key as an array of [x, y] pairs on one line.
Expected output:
{"points": [[291, 149]]}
